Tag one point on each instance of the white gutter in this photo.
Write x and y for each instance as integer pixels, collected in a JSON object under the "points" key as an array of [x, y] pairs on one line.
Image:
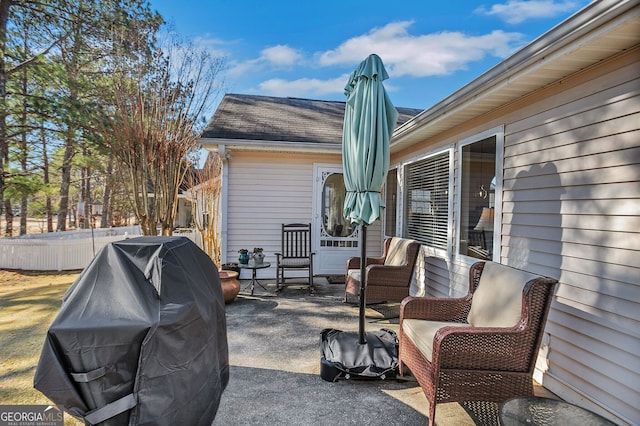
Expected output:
{"points": [[214, 145]]}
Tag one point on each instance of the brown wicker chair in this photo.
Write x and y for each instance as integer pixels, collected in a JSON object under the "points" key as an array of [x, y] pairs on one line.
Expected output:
{"points": [[482, 347], [388, 277]]}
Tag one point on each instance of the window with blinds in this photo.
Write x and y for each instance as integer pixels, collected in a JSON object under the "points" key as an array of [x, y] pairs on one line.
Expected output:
{"points": [[427, 204], [390, 201]]}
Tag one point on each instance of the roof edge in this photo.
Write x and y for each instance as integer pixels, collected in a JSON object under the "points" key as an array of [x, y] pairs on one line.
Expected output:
{"points": [[556, 40], [212, 144]]}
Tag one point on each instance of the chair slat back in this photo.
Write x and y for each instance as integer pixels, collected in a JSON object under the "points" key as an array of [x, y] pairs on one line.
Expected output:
{"points": [[296, 240]]}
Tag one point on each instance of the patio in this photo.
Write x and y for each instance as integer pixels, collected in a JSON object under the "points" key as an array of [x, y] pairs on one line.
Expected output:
{"points": [[275, 363]]}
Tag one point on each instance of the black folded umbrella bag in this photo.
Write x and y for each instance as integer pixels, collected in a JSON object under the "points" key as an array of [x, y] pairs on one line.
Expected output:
{"points": [[343, 356], [141, 337]]}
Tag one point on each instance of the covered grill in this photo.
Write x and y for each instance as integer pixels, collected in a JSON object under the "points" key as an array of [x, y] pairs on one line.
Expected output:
{"points": [[140, 338]]}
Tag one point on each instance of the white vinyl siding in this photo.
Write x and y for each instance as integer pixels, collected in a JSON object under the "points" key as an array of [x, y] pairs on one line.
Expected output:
{"points": [[571, 206], [571, 210], [265, 190]]}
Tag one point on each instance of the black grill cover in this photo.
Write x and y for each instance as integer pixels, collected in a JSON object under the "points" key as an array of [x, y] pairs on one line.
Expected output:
{"points": [[140, 338]]}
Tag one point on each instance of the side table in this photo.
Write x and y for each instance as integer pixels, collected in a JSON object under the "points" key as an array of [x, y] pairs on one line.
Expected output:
{"points": [[535, 410], [254, 269]]}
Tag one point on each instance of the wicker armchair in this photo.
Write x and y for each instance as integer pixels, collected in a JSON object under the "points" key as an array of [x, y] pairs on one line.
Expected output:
{"points": [[482, 347], [388, 277]]}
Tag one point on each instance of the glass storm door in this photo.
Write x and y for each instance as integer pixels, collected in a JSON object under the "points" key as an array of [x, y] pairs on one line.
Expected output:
{"points": [[335, 239]]}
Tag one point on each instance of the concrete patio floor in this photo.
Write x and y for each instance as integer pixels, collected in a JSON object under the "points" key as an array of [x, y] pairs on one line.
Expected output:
{"points": [[274, 351]]}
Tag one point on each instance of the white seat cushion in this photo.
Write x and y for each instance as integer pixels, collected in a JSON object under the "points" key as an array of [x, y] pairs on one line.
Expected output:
{"points": [[498, 300], [397, 254], [354, 274], [294, 263], [421, 333]]}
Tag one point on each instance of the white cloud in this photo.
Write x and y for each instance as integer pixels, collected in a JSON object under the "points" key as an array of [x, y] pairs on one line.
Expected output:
{"points": [[281, 55], [237, 69], [404, 54], [421, 55], [516, 11], [215, 46], [303, 87]]}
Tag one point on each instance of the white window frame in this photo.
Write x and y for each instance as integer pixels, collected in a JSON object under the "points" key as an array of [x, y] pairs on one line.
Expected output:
{"points": [[402, 196], [498, 133], [399, 169]]}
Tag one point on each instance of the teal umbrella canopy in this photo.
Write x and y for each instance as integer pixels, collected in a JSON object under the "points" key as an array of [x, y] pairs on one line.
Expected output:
{"points": [[369, 120]]}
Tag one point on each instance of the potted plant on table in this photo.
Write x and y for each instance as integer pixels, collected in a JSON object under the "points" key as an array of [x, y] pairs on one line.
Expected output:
{"points": [[258, 255], [243, 257]]}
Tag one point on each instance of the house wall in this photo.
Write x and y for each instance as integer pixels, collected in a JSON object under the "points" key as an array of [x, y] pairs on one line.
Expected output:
{"points": [[184, 217], [266, 190], [571, 210]]}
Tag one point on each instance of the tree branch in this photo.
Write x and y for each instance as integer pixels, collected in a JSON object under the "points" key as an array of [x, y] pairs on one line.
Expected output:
{"points": [[38, 56]]}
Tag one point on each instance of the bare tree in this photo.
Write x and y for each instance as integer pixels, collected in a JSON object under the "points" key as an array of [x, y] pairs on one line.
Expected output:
{"points": [[154, 125], [205, 193]]}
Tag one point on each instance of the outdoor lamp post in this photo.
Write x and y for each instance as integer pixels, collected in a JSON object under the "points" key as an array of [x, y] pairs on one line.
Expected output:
{"points": [[96, 208], [96, 211]]}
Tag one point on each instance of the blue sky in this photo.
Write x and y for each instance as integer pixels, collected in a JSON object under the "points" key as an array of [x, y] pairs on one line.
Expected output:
{"points": [[308, 49]]}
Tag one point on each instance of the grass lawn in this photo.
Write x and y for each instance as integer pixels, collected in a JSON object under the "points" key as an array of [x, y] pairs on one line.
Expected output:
{"points": [[29, 301]]}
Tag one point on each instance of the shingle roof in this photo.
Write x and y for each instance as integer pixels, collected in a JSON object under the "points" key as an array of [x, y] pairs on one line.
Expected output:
{"points": [[267, 118]]}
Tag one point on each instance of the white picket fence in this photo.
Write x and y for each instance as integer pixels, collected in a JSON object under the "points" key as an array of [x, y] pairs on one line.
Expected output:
{"points": [[64, 251]]}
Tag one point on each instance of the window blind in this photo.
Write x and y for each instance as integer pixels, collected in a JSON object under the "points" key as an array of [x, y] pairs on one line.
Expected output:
{"points": [[427, 206]]}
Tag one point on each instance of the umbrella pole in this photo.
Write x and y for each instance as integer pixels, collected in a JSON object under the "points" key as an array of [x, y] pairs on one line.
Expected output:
{"points": [[363, 266]]}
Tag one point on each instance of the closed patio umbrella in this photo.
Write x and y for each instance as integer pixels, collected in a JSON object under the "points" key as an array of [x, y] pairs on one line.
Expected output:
{"points": [[369, 120]]}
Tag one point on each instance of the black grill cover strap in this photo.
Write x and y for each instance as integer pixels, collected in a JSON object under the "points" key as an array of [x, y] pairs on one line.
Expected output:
{"points": [[93, 374], [111, 410]]}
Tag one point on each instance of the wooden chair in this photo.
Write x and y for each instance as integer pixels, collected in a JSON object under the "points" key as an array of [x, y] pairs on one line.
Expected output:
{"points": [[482, 347], [388, 277], [295, 252]]}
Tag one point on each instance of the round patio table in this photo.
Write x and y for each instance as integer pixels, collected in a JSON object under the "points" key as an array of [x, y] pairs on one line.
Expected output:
{"points": [[254, 269], [535, 410]]}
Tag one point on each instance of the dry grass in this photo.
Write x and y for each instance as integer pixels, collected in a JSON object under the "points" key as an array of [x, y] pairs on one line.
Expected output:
{"points": [[34, 226], [29, 301]]}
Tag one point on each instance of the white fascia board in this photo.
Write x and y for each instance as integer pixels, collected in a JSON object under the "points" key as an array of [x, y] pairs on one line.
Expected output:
{"points": [[271, 146]]}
